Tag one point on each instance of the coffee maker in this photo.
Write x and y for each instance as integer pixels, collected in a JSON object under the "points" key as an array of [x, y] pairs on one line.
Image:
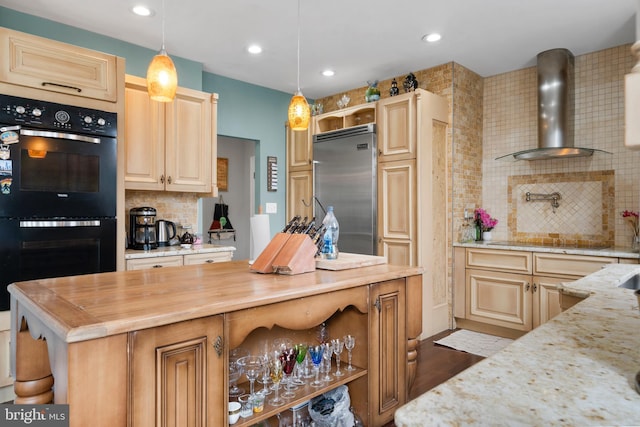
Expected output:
{"points": [[142, 228]]}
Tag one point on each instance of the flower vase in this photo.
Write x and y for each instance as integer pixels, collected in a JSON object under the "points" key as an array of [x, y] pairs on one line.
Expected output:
{"points": [[635, 244], [486, 236]]}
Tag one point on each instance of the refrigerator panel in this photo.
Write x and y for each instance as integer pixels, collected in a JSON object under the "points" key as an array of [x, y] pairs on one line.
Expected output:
{"points": [[345, 178]]}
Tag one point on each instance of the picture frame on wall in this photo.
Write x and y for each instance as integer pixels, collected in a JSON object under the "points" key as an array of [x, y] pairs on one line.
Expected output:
{"points": [[223, 173]]}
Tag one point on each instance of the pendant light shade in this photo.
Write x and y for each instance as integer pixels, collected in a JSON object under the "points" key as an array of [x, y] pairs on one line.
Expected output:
{"points": [[299, 111], [162, 78]]}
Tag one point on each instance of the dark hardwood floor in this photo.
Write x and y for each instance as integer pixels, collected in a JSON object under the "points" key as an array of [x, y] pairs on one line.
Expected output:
{"points": [[437, 363]]}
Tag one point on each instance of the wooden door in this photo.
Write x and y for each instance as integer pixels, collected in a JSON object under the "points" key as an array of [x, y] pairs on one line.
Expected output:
{"points": [[546, 299], [188, 142], [143, 137], [300, 194], [396, 120], [502, 299], [299, 149], [177, 375], [388, 351], [397, 211]]}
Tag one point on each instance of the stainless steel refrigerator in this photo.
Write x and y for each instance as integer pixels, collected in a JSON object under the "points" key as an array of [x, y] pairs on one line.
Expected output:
{"points": [[344, 165]]}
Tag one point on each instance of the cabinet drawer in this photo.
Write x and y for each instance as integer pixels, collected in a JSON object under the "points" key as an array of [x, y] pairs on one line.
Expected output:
{"points": [[207, 258], [509, 261], [568, 265], [32, 61], [155, 262]]}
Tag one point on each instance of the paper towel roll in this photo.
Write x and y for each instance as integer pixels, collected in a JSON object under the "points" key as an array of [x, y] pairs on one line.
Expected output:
{"points": [[260, 234]]}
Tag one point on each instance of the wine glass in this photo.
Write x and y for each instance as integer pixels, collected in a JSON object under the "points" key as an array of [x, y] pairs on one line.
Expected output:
{"points": [[235, 370], [280, 345], [338, 346], [252, 366], [264, 345], [288, 358], [349, 343], [275, 372], [302, 354], [315, 351], [326, 355]]}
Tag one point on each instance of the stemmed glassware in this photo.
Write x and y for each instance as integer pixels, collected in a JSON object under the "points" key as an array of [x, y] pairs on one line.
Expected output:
{"points": [[235, 370], [264, 345], [288, 358], [302, 354], [326, 355], [275, 372], [252, 366], [349, 343], [338, 345], [315, 351]]}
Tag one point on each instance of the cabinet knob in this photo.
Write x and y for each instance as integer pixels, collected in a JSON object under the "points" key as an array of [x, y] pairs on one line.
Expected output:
{"points": [[377, 304], [162, 178], [217, 345], [169, 180], [527, 287], [535, 287]]}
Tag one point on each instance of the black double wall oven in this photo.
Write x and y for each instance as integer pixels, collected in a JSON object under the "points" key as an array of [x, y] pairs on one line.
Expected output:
{"points": [[57, 191]]}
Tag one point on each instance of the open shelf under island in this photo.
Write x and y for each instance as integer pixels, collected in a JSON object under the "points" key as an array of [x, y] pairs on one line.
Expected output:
{"points": [[151, 347]]}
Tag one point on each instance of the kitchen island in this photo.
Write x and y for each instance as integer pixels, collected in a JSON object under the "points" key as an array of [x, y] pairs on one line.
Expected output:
{"points": [[151, 347], [577, 369]]}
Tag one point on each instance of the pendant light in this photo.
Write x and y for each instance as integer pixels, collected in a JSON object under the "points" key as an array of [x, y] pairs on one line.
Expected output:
{"points": [[299, 111], [162, 79]]}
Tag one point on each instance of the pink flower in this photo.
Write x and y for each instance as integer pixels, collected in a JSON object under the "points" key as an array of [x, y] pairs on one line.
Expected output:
{"points": [[484, 220], [632, 218]]}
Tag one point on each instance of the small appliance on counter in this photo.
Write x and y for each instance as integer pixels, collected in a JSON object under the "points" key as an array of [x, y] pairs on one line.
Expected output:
{"points": [[166, 231], [142, 228]]}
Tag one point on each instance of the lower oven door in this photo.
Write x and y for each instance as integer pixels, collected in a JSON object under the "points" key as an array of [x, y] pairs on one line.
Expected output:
{"points": [[44, 248]]}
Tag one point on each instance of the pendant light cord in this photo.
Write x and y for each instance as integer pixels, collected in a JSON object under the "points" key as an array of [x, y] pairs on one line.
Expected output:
{"points": [[298, 45], [163, 15]]}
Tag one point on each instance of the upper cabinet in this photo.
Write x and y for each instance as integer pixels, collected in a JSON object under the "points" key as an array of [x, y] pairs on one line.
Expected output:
{"points": [[299, 173], [397, 128], [169, 146], [345, 118], [36, 62]]}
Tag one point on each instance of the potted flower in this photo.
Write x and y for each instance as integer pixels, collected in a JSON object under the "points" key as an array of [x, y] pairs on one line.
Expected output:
{"points": [[485, 222], [632, 218]]}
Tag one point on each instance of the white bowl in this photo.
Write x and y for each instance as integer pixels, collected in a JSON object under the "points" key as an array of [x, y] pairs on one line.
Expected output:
{"points": [[234, 412]]}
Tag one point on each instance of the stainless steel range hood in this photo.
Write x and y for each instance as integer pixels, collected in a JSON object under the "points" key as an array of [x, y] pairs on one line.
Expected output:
{"points": [[555, 110]]}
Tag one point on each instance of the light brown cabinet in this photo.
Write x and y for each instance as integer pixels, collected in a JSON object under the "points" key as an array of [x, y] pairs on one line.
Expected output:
{"points": [[299, 173], [168, 146], [515, 289], [36, 62], [178, 260], [176, 372], [345, 118]]}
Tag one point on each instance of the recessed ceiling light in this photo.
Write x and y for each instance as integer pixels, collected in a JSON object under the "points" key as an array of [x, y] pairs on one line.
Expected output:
{"points": [[254, 49], [141, 10], [431, 38], [328, 73]]}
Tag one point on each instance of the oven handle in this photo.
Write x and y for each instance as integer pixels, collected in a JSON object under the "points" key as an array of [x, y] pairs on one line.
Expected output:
{"points": [[59, 135], [59, 224]]}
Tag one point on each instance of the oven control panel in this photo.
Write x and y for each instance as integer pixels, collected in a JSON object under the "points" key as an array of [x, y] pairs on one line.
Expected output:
{"points": [[52, 116]]}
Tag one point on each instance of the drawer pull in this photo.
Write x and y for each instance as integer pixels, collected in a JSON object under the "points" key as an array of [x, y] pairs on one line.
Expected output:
{"points": [[157, 266], [209, 261], [77, 89]]}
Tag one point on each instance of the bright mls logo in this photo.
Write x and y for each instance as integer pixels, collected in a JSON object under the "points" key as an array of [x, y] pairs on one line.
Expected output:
{"points": [[35, 415]]}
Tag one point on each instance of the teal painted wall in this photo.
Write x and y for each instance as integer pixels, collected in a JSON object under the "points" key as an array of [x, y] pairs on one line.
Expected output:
{"points": [[244, 110]]}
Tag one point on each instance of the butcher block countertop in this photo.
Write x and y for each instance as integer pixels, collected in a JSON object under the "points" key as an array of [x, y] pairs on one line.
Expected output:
{"points": [[80, 308], [578, 369]]}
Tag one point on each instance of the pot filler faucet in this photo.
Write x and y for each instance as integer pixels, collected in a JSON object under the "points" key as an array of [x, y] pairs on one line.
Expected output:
{"points": [[553, 197]]}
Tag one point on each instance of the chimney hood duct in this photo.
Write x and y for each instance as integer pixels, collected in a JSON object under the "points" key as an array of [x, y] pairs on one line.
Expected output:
{"points": [[555, 110]]}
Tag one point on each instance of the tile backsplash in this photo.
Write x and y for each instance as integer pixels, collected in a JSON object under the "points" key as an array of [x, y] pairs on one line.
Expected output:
{"points": [[181, 208]]}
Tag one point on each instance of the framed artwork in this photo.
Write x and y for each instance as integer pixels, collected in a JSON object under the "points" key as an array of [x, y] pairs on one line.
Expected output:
{"points": [[223, 174]]}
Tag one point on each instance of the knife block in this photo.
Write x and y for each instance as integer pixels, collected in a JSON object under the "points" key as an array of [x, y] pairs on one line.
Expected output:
{"points": [[287, 254]]}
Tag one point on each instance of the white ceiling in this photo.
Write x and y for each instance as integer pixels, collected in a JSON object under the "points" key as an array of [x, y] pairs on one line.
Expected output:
{"points": [[360, 39]]}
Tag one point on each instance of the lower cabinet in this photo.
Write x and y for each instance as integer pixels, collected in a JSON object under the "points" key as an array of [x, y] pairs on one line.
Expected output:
{"points": [[178, 260], [175, 374], [517, 290]]}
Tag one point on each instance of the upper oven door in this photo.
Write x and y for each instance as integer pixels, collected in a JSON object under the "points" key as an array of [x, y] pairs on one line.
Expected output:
{"points": [[58, 174]]}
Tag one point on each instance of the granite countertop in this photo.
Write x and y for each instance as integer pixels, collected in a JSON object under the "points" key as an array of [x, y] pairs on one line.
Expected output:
{"points": [[576, 369], [176, 250], [611, 251]]}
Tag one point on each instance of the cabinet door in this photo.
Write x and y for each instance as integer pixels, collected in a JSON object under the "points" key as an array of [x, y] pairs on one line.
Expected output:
{"points": [[397, 128], [177, 375], [32, 61], [546, 299], [188, 142], [143, 138], [502, 299], [388, 351], [300, 194], [397, 211], [299, 149], [154, 262]]}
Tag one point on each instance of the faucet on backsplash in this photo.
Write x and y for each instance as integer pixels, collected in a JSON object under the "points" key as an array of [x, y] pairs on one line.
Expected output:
{"points": [[553, 197]]}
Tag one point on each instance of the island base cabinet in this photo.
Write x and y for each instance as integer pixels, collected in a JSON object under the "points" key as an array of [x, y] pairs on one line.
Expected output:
{"points": [[176, 372]]}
